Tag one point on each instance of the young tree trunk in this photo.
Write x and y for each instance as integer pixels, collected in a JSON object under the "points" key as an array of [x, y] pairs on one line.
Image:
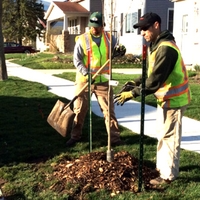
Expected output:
{"points": [[3, 70]]}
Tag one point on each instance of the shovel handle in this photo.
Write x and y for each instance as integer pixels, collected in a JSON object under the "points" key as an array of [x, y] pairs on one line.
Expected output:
{"points": [[86, 85]]}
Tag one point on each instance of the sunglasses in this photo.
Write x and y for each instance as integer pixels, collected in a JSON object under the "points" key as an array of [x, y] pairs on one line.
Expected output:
{"points": [[145, 28]]}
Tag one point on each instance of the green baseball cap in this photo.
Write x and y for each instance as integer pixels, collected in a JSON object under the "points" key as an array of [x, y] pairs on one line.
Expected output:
{"points": [[96, 20]]}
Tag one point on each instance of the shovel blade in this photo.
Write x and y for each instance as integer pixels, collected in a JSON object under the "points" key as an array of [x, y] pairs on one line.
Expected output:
{"points": [[61, 118]]}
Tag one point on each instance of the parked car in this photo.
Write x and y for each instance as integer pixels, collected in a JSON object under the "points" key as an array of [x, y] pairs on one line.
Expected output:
{"points": [[12, 47]]}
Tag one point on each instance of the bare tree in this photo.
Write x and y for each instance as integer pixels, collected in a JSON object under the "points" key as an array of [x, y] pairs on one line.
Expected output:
{"points": [[3, 70]]}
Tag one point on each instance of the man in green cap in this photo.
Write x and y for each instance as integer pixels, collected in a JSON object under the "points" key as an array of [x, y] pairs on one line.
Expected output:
{"points": [[95, 43]]}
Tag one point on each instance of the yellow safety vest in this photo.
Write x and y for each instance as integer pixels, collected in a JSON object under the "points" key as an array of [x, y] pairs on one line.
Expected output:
{"points": [[175, 91], [98, 56]]}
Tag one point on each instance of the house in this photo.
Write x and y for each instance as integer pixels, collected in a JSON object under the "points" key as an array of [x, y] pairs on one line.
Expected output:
{"points": [[66, 20], [126, 16], [187, 29]]}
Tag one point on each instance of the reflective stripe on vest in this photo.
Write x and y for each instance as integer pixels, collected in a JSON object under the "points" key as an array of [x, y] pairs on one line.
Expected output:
{"points": [[175, 91], [98, 56]]}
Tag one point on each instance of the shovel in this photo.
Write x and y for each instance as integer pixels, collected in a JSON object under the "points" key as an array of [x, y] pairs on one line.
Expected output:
{"points": [[61, 117]]}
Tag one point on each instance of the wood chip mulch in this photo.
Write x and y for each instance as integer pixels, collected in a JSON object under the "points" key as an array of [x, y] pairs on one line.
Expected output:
{"points": [[92, 172]]}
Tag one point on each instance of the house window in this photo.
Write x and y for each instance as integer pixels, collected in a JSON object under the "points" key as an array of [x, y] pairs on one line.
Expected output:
{"points": [[185, 24], [170, 20], [115, 24], [139, 15], [115, 27], [56, 27], [73, 26], [131, 19], [121, 24]]}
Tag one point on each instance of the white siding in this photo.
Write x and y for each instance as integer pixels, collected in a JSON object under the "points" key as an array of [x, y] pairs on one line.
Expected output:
{"points": [[187, 34], [85, 4], [55, 13], [132, 41]]}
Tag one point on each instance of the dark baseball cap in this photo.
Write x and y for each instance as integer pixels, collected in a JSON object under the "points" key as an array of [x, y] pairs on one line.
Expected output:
{"points": [[148, 20], [96, 20]]}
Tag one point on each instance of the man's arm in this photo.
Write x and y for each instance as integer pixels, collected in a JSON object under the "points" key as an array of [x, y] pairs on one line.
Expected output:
{"points": [[78, 58]]}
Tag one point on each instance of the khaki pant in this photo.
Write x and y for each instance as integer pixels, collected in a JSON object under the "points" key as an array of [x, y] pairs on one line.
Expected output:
{"points": [[81, 107], [169, 139]]}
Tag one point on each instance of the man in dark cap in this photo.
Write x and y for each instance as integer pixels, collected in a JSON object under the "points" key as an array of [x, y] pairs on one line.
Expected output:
{"points": [[168, 80], [96, 42], [148, 20]]}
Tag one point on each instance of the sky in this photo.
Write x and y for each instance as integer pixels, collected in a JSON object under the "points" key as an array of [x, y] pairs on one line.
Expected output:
{"points": [[47, 3]]}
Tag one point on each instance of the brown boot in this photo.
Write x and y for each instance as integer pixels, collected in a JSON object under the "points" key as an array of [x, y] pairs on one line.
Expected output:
{"points": [[160, 181]]}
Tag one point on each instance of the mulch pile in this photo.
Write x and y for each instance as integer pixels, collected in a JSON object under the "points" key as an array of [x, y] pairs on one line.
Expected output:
{"points": [[92, 172]]}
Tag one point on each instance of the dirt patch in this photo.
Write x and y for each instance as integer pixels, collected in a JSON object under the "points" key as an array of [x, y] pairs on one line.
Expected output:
{"points": [[92, 172]]}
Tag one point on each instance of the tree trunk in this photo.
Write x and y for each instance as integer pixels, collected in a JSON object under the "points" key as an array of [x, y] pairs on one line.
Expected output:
{"points": [[3, 70]]}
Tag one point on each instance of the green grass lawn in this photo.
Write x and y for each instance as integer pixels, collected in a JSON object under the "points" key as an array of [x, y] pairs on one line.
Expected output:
{"points": [[58, 61], [30, 148], [42, 60]]}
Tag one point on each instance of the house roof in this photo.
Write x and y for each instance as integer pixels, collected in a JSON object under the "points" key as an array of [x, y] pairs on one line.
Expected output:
{"points": [[67, 8], [70, 7]]}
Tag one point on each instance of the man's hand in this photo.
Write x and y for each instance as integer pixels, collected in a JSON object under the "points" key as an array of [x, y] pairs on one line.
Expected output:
{"points": [[119, 50], [87, 78], [129, 85], [121, 98]]}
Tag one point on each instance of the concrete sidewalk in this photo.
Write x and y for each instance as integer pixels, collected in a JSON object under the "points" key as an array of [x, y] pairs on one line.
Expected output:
{"points": [[128, 115]]}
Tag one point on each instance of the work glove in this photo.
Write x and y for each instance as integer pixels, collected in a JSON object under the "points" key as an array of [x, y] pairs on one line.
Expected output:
{"points": [[119, 50], [87, 78], [121, 98], [129, 85]]}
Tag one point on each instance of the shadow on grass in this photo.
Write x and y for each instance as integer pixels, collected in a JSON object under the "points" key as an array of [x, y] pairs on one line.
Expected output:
{"points": [[25, 135], [186, 180], [189, 167], [16, 196]]}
